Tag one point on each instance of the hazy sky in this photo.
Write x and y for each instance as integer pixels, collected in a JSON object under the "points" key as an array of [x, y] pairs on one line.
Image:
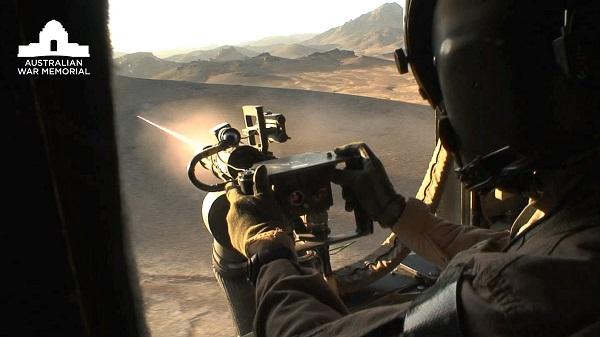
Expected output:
{"points": [[155, 25]]}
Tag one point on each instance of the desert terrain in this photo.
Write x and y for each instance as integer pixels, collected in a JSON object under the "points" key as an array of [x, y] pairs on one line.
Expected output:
{"points": [[171, 246], [381, 81], [338, 71], [355, 58]]}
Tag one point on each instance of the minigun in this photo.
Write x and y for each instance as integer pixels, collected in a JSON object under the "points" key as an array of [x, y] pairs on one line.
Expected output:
{"points": [[301, 183], [301, 186]]}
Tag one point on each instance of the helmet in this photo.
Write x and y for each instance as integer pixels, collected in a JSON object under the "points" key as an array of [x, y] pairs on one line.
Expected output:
{"points": [[514, 83]]}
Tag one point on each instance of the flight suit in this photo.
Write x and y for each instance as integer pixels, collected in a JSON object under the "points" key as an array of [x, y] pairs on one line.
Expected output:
{"points": [[541, 279]]}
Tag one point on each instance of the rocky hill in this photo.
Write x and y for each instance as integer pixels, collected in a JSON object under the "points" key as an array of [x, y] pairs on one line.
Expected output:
{"points": [[278, 40], [331, 56], [229, 61], [292, 51], [144, 65], [229, 54], [205, 55], [377, 32]]}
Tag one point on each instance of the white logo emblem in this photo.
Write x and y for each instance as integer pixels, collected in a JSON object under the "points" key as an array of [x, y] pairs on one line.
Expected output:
{"points": [[54, 41]]}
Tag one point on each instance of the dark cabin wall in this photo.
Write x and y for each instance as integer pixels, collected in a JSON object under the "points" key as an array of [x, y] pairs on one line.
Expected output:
{"points": [[63, 235]]}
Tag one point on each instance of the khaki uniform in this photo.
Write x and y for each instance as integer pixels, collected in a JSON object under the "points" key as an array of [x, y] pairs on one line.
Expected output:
{"points": [[545, 281]]}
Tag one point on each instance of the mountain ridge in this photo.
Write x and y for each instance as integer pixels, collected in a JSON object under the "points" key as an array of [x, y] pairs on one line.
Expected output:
{"points": [[373, 33], [206, 55], [376, 33], [142, 64]]}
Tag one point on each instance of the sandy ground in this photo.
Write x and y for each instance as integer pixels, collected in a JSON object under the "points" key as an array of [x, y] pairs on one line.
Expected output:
{"points": [[379, 82], [171, 246]]}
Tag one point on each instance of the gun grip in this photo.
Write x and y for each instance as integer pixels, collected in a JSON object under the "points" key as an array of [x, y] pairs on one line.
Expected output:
{"points": [[246, 181], [364, 223]]}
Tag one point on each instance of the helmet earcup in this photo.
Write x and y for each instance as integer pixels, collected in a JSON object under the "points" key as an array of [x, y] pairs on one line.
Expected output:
{"points": [[418, 24], [577, 51]]}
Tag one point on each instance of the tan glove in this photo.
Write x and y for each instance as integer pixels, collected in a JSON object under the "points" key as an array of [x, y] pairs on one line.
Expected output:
{"points": [[256, 222], [368, 186]]}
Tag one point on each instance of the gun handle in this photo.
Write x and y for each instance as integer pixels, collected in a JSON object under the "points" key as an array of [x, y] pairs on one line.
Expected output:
{"points": [[246, 181], [364, 223]]}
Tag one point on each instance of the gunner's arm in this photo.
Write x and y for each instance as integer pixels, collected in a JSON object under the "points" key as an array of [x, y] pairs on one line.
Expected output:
{"points": [[436, 239]]}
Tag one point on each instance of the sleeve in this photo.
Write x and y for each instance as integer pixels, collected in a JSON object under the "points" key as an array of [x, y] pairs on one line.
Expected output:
{"points": [[296, 301], [529, 295], [513, 294], [436, 239], [292, 300]]}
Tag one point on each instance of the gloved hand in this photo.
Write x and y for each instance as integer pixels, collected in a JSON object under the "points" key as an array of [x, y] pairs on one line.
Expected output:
{"points": [[368, 186], [256, 222]]}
